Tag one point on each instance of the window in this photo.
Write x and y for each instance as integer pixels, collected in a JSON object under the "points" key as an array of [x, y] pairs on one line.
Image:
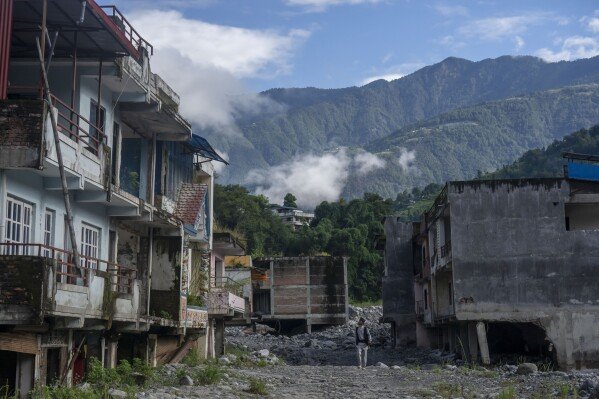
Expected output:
{"points": [[89, 246], [18, 226], [450, 293], [48, 231], [425, 299], [95, 121], [116, 152]]}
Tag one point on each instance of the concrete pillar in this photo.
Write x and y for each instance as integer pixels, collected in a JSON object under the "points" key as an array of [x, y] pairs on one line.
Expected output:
{"points": [[152, 350], [481, 332], [210, 339], [308, 327], [111, 354], [472, 343], [219, 338], [201, 344]]}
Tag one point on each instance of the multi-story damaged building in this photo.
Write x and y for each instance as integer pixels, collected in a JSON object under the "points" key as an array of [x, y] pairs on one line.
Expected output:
{"points": [[140, 187], [300, 292], [501, 266]]}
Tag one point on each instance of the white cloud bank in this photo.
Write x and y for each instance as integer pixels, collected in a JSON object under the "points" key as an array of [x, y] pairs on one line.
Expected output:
{"points": [[205, 63], [572, 48], [316, 178]]}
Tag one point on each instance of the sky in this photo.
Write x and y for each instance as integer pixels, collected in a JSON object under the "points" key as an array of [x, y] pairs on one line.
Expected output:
{"points": [[219, 54], [339, 43]]}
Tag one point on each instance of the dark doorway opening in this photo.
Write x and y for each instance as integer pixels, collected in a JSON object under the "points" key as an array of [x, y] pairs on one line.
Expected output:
{"points": [[513, 341]]}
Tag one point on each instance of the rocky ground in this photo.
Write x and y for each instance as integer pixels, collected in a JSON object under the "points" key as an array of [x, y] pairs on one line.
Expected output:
{"points": [[322, 365]]}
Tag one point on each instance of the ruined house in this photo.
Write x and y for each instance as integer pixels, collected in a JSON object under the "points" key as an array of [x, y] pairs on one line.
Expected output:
{"points": [[300, 292], [501, 267], [140, 187]]}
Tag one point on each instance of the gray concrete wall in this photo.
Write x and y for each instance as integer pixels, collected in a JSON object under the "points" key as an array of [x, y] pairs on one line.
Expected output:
{"points": [[398, 281], [514, 257]]}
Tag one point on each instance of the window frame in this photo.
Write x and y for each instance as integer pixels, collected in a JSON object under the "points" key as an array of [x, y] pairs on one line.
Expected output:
{"points": [[90, 246], [19, 223]]}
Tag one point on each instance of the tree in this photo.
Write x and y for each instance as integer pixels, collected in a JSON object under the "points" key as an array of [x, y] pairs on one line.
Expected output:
{"points": [[289, 201]]}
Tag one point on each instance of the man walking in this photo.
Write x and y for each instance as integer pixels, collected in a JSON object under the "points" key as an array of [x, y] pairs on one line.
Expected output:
{"points": [[362, 342]]}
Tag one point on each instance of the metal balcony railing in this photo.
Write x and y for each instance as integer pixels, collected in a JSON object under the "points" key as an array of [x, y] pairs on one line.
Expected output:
{"points": [[69, 123], [130, 33], [67, 271]]}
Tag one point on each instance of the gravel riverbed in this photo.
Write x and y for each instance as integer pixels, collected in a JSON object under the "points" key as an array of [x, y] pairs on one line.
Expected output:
{"points": [[322, 365]]}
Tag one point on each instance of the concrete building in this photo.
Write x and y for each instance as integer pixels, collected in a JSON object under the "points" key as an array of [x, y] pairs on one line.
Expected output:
{"points": [[293, 217], [499, 267], [293, 292], [140, 188]]}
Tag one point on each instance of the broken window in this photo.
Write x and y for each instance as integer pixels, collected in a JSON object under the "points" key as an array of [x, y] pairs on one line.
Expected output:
{"points": [[48, 231]]}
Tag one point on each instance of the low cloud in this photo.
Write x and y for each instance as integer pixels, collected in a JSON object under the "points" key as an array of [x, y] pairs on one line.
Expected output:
{"points": [[406, 159], [572, 48], [366, 162], [205, 63], [313, 178], [322, 5]]}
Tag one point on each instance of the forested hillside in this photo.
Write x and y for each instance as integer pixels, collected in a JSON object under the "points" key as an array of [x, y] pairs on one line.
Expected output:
{"points": [[318, 119], [461, 143], [548, 162]]}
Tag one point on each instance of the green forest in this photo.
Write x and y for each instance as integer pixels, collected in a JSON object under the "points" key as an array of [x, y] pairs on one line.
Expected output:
{"points": [[348, 228], [351, 228]]}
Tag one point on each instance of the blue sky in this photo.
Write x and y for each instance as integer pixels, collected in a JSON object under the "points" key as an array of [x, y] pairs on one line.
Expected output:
{"points": [[218, 53], [349, 41]]}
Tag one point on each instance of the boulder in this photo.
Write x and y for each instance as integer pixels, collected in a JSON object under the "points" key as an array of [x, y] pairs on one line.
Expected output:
{"points": [[527, 368], [381, 365], [263, 353], [224, 360], [117, 394], [186, 381]]}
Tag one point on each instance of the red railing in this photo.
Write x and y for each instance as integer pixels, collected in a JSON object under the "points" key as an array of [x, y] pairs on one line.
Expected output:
{"points": [[67, 271], [130, 33], [69, 122]]}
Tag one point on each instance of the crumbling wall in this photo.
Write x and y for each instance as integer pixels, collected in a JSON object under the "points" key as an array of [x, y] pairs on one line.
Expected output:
{"points": [[21, 288], [21, 124], [514, 260], [398, 281]]}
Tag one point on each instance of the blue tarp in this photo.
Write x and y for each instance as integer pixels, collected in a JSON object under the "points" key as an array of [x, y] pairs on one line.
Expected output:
{"points": [[202, 147], [583, 171]]}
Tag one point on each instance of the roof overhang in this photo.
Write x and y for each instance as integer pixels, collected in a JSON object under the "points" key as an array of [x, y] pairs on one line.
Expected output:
{"points": [[150, 118], [97, 35]]}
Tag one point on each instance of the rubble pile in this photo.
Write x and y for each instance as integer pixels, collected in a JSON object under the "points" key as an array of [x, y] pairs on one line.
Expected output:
{"points": [[334, 345]]}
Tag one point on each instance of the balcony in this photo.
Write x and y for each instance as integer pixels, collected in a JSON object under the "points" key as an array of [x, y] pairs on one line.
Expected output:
{"points": [[23, 143], [138, 42], [225, 297], [39, 280]]}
